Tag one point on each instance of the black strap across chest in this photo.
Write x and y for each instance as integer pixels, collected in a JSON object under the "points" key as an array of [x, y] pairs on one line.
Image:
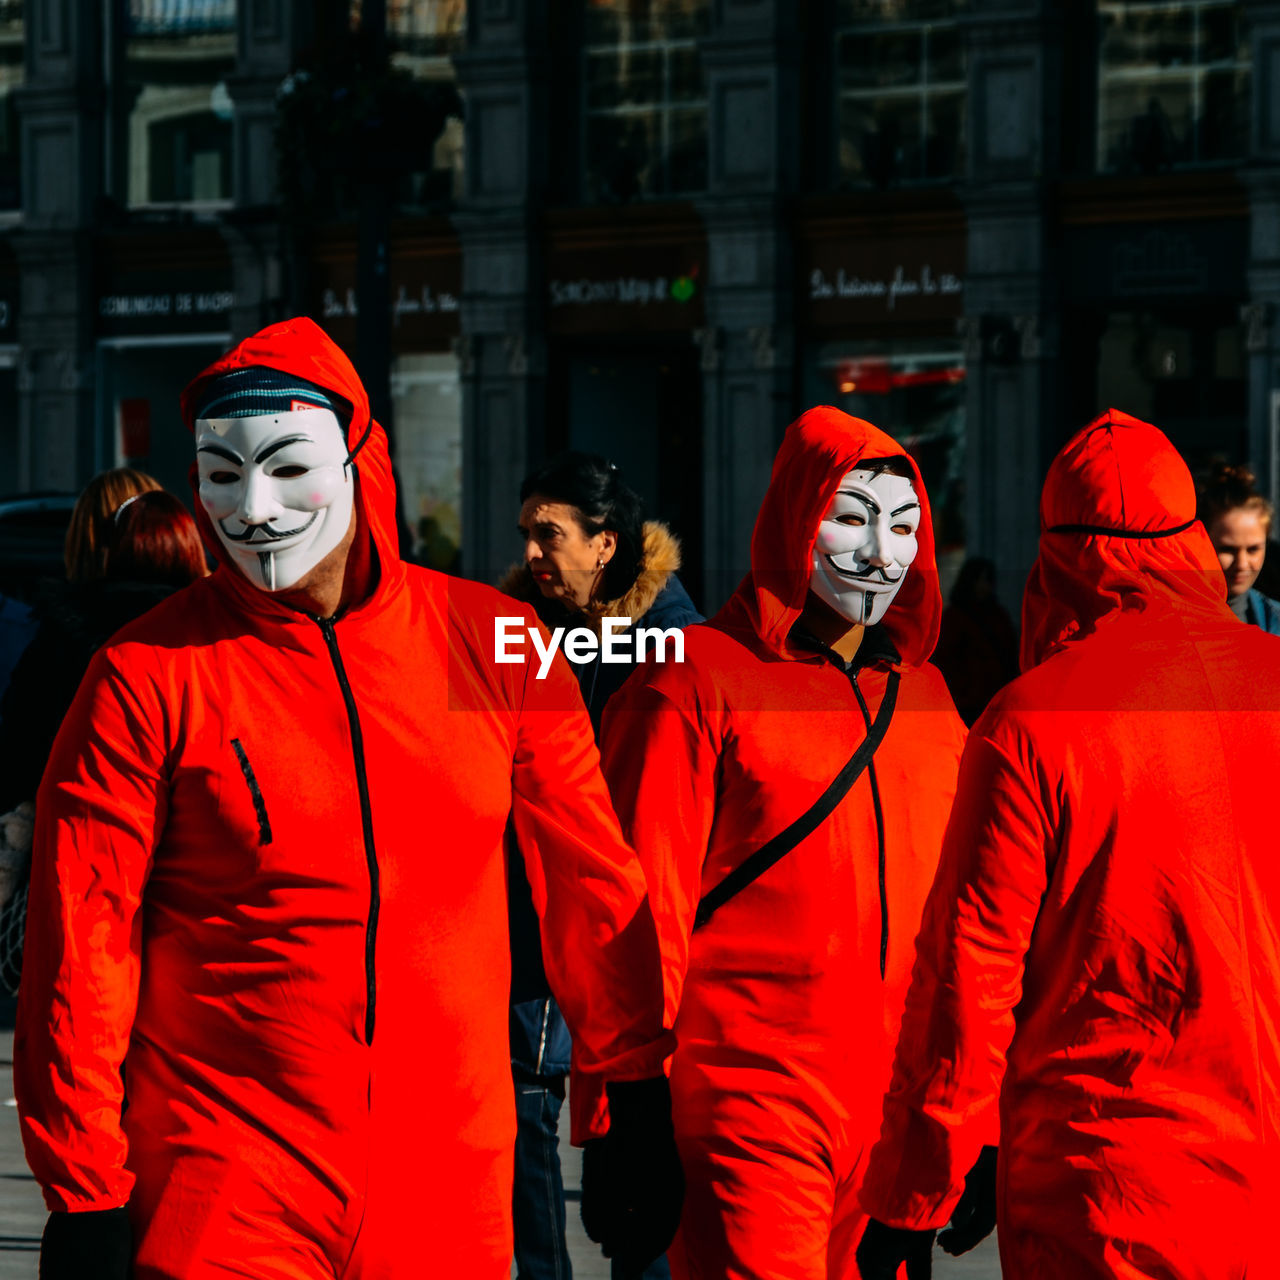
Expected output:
{"points": [[774, 850]]}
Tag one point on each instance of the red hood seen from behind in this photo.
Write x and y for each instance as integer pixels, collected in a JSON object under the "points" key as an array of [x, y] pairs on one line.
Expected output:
{"points": [[819, 449], [1118, 531], [301, 348]]}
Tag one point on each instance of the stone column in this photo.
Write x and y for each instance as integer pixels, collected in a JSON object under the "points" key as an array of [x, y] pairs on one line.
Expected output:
{"points": [[751, 60], [60, 109], [1010, 324], [269, 34], [1261, 312], [502, 77]]}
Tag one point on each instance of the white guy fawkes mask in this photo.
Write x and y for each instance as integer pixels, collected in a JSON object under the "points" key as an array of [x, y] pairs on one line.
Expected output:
{"points": [[278, 490], [866, 541]]}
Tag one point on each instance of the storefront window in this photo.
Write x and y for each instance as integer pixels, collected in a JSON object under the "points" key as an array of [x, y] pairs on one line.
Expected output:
{"points": [[177, 54], [901, 74], [1183, 366], [644, 99], [427, 405], [422, 37], [1173, 85], [914, 390], [11, 44]]}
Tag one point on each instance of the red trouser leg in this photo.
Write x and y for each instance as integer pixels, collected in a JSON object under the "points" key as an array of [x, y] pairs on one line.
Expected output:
{"points": [[761, 1195], [440, 1172], [211, 1216], [233, 1181]]}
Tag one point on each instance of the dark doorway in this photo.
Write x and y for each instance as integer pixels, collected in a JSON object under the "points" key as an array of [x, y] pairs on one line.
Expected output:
{"points": [[641, 407], [1181, 367]]}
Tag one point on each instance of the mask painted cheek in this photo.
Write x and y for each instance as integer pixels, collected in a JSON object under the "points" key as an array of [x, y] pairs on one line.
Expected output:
{"points": [[906, 549], [835, 539], [320, 487], [219, 500]]}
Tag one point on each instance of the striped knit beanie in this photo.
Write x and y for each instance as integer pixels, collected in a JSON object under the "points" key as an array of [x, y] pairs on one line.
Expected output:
{"points": [[257, 390]]}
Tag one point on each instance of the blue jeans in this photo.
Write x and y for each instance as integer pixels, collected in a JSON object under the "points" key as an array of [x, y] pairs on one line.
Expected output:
{"points": [[658, 1269], [538, 1194]]}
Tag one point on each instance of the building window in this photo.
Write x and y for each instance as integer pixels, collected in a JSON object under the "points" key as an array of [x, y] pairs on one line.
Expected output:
{"points": [[644, 99], [427, 402], [11, 38], [422, 37], [1173, 85], [915, 391], [177, 54], [901, 75]]}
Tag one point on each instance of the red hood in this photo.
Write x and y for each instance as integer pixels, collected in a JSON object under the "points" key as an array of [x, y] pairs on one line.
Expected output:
{"points": [[300, 347], [1118, 474], [819, 449]]}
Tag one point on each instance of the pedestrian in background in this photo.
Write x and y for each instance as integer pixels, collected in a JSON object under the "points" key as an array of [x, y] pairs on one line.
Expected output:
{"points": [[145, 549], [588, 554], [1100, 949], [1238, 519], [978, 644], [158, 550], [18, 623]]}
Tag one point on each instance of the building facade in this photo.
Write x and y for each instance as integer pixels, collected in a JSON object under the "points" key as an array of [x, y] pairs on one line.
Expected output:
{"points": [[657, 229]]}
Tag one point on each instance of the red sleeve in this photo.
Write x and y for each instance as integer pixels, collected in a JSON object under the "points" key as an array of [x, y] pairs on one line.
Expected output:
{"points": [[599, 945], [660, 765], [99, 813], [970, 953], [660, 760]]}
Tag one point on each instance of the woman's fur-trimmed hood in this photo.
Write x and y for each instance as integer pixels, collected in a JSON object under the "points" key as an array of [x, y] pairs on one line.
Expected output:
{"points": [[659, 560]]}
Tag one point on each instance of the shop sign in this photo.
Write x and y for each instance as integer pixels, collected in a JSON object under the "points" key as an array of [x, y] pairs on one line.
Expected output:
{"points": [[890, 289], [653, 288], [873, 280], [405, 306], [624, 291], [135, 306], [1186, 260], [426, 299]]}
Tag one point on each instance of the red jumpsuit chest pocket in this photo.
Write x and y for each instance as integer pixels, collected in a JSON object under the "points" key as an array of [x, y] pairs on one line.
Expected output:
{"points": [[254, 811]]}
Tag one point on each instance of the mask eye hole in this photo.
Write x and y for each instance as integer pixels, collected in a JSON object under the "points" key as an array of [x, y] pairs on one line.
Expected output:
{"points": [[290, 471], [903, 530], [222, 477], [852, 518]]}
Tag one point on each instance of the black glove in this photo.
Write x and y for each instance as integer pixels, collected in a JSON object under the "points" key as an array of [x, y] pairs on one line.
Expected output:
{"points": [[974, 1217], [632, 1182], [883, 1249], [95, 1245]]}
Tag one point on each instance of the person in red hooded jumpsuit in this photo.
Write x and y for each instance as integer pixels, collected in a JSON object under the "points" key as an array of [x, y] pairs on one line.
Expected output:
{"points": [[1101, 947], [788, 1000], [268, 886]]}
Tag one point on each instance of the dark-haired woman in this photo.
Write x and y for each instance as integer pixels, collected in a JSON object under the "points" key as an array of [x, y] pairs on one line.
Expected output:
{"points": [[1238, 520], [589, 554]]}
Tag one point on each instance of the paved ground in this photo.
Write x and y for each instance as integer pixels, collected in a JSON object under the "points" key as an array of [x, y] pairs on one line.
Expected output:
{"points": [[22, 1211]]}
